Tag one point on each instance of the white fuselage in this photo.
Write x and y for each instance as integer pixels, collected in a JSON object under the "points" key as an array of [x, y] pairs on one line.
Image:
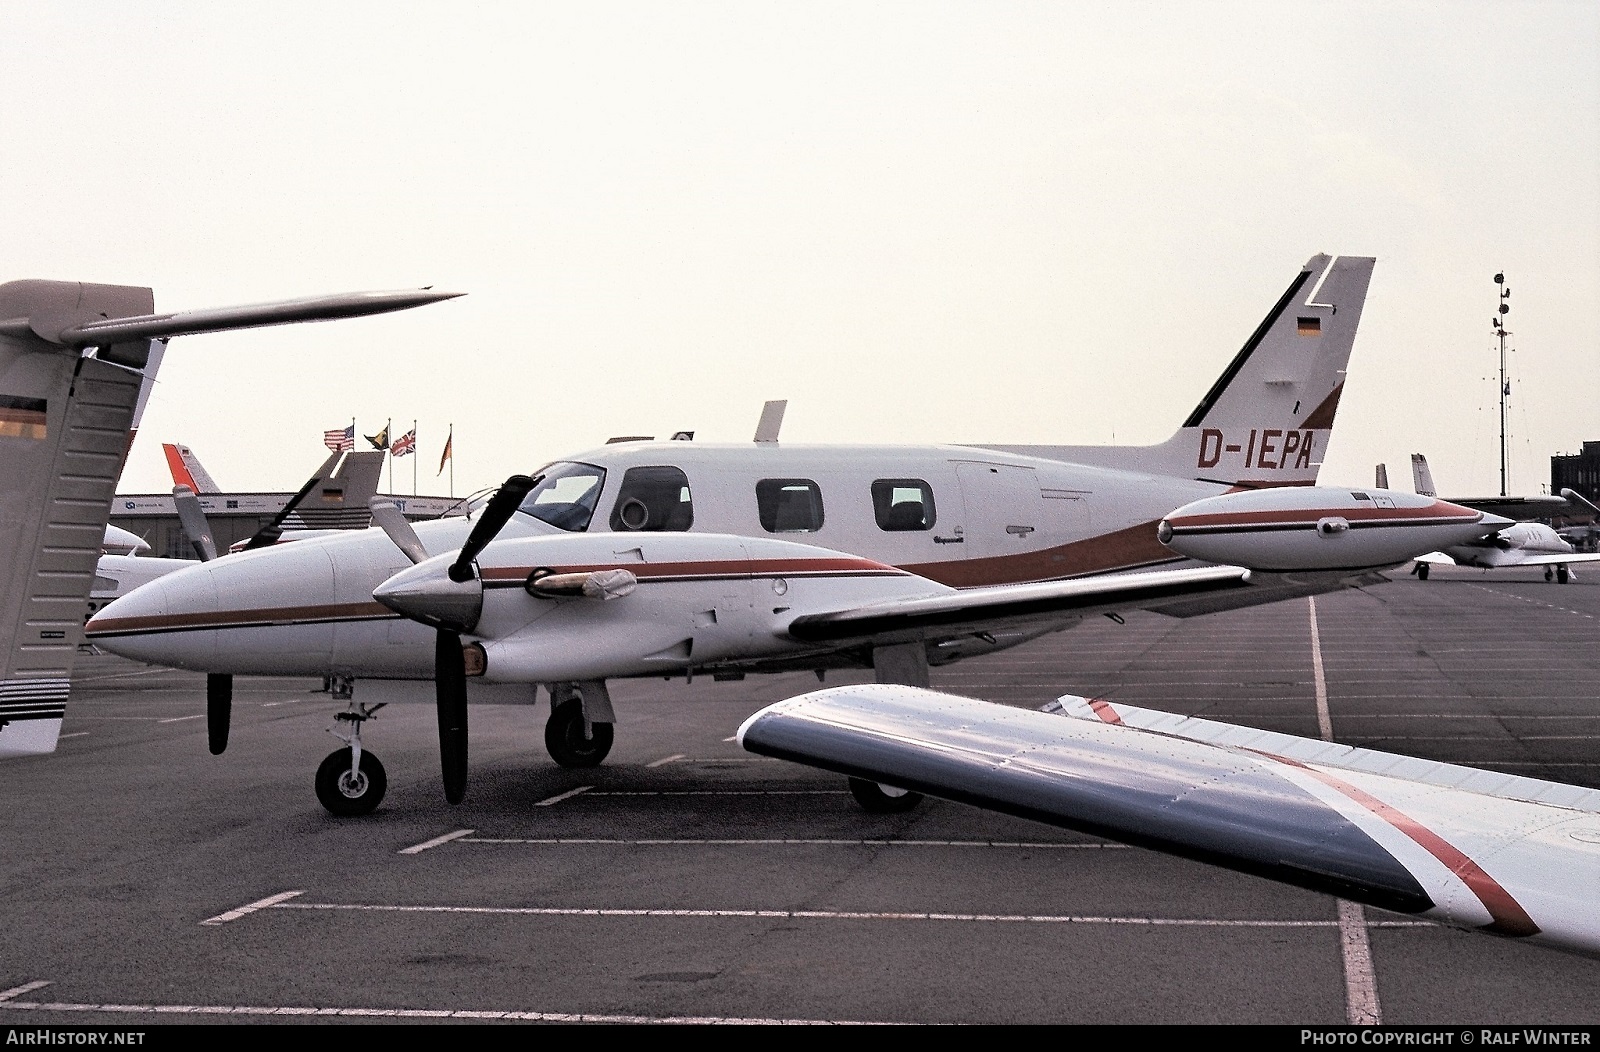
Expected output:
{"points": [[988, 518]]}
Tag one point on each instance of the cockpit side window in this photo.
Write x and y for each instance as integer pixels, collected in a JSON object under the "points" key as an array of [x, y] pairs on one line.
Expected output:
{"points": [[789, 505], [565, 496], [653, 499], [903, 505]]}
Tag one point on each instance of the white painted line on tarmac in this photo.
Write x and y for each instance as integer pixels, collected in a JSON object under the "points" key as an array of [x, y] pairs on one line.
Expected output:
{"points": [[243, 911], [569, 794], [1360, 977], [74, 734], [845, 915], [18, 991], [417, 849], [788, 842], [397, 1013], [721, 792], [674, 758], [180, 719]]}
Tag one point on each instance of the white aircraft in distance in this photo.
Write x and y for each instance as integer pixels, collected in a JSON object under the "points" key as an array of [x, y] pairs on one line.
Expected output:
{"points": [[118, 573], [911, 557], [1523, 545], [76, 360], [1475, 849]]}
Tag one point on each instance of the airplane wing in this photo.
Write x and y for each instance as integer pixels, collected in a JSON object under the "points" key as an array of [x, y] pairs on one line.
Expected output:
{"points": [[1556, 559], [1522, 509], [1498, 853], [1180, 593]]}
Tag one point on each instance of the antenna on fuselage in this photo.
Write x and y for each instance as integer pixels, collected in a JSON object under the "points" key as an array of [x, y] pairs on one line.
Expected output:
{"points": [[771, 420]]}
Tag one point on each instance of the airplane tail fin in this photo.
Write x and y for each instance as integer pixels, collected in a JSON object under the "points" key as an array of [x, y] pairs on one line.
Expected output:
{"points": [[1267, 419], [187, 470], [74, 359], [339, 501], [64, 423], [1381, 477], [1422, 476]]}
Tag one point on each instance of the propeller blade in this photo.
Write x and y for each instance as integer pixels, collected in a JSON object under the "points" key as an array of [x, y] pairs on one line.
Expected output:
{"points": [[450, 687], [194, 524], [490, 522], [387, 515], [219, 710], [270, 533]]}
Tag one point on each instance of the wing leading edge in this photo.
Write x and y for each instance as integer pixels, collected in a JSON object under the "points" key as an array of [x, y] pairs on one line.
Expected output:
{"points": [[1506, 855]]}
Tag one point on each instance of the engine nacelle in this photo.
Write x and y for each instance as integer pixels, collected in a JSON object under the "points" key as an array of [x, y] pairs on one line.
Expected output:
{"points": [[1321, 528]]}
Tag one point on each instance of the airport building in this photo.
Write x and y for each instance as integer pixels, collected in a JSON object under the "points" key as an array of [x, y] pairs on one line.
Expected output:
{"points": [[1577, 471]]}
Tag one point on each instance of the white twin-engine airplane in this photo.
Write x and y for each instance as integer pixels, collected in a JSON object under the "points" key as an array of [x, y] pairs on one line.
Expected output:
{"points": [[76, 363], [1481, 850], [677, 558], [1527, 544]]}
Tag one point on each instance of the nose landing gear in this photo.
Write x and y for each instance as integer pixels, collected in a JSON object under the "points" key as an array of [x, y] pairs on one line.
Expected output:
{"points": [[351, 781]]}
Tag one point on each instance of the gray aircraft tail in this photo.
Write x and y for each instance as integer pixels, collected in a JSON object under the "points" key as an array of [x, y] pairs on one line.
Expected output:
{"points": [[73, 360]]}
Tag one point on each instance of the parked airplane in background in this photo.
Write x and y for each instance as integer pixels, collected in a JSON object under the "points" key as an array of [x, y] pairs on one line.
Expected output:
{"points": [[187, 470], [1489, 852], [76, 360], [1527, 544], [911, 556]]}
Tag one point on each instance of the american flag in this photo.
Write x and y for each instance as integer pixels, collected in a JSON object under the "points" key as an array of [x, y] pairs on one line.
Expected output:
{"points": [[406, 443], [342, 440]]}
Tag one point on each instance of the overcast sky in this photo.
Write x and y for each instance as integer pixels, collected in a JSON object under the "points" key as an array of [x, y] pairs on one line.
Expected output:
{"points": [[919, 222]]}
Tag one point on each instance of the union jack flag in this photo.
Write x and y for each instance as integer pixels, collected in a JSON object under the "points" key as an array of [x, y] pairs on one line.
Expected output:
{"points": [[342, 440], [406, 443]]}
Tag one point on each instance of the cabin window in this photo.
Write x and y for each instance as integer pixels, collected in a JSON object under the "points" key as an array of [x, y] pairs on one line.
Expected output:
{"points": [[903, 505], [565, 496], [653, 499], [789, 505]]}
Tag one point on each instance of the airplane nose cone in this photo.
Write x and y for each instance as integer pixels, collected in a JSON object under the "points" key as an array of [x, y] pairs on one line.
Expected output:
{"points": [[425, 593], [154, 622]]}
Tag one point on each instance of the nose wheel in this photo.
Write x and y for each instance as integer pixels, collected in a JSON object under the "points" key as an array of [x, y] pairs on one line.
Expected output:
{"points": [[351, 781], [348, 787]]}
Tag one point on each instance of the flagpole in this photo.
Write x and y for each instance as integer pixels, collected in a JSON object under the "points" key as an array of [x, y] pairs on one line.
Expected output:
{"points": [[451, 441], [415, 456], [388, 426]]}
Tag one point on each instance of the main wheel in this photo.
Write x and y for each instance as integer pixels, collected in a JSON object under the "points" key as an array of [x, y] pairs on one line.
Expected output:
{"points": [[564, 738], [1422, 571], [879, 799], [1547, 573], [1562, 575], [345, 793]]}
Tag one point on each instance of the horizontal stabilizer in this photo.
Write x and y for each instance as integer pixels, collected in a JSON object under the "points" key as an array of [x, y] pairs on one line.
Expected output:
{"points": [[220, 319]]}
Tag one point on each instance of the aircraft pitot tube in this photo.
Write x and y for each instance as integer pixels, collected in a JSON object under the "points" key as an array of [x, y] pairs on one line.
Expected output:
{"points": [[1321, 528]]}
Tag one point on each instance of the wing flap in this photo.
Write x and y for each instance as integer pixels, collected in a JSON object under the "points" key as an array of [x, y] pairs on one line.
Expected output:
{"points": [[983, 609]]}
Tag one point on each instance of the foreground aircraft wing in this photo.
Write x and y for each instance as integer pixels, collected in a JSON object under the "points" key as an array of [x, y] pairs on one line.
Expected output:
{"points": [[1490, 852]]}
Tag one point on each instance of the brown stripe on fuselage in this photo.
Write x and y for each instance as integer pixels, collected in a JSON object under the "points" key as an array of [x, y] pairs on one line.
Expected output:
{"points": [[710, 568], [286, 615], [1123, 549], [1437, 512]]}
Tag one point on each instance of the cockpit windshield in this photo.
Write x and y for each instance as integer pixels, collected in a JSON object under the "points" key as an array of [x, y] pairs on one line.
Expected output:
{"points": [[566, 495]]}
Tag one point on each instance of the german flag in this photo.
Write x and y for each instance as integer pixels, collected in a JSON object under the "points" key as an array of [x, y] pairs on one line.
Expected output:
{"points": [[22, 417]]}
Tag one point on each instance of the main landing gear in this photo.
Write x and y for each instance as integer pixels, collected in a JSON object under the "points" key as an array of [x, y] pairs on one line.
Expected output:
{"points": [[580, 730], [351, 781], [1562, 574]]}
